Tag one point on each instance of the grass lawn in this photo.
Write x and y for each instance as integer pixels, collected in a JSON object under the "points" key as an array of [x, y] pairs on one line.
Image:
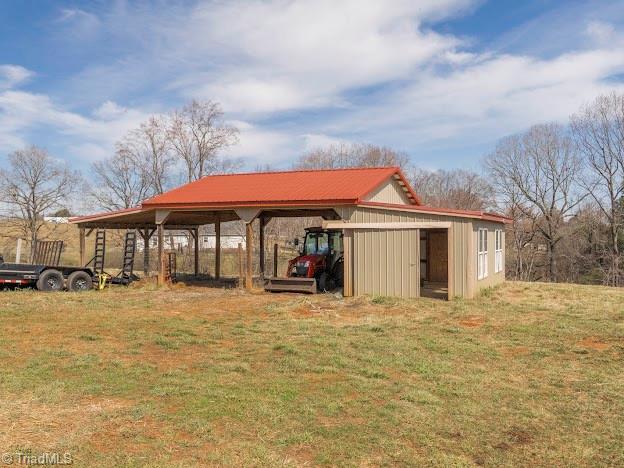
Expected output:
{"points": [[527, 374]]}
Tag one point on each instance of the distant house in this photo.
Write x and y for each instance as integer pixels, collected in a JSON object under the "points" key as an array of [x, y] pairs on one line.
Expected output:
{"points": [[56, 219], [176, 240]]}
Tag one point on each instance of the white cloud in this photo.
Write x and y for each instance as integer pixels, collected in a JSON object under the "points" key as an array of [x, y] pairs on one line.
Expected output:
{"points": [[261, 145], [22, 114], [79, 23], [601, 32], [304, 73], [314, 141], [275, 56], [13, 75], [485, 100]]}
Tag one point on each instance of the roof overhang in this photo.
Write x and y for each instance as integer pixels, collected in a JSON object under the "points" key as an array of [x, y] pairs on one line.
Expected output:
{"points": [[189, 216], [482, 215]]}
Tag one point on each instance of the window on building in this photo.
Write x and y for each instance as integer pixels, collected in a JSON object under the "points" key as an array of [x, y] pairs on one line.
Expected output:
{"points": [[482, 259], [498, 253]]}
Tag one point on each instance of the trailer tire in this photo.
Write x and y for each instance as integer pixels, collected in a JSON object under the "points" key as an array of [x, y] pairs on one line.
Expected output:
{"points": [[50, 280], [79, 281]]}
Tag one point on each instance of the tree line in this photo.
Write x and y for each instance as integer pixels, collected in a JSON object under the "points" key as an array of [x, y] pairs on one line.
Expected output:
{"points": [[563, 185]]}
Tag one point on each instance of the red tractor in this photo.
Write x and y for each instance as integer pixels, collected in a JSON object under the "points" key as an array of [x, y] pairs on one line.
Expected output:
{"points": [[319, 266]]}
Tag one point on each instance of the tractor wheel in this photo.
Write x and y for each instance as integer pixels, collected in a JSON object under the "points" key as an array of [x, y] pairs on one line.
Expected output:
{"points": [[79, 281], [323, 282], [50, 280]]}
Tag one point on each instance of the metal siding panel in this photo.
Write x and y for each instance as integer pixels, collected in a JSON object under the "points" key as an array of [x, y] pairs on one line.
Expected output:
{"points": [[389, 249], [390, 192]]}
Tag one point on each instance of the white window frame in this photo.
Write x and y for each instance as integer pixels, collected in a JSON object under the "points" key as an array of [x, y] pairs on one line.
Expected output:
{"points": [[482, 253], [498, 251]]}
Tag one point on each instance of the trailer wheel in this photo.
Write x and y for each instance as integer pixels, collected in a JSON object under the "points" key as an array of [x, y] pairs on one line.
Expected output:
{"points": [[79, 281], [50, 280]]}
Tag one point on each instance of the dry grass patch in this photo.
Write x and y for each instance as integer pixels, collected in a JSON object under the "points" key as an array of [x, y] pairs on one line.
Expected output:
{"points": [[525, 375]]}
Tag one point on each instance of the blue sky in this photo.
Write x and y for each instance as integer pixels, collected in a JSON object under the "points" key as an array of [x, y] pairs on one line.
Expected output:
{"points": [[441, 80]]}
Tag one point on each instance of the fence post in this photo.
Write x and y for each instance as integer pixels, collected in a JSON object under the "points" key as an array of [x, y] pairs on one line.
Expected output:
{"points": [[275, 258], [18, 251]]}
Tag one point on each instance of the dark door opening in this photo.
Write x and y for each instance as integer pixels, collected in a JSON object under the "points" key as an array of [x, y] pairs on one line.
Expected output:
{"points": [[434, 263]]}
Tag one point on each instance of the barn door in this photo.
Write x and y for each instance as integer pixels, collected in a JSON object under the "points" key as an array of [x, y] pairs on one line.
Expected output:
{"points": [[386, 262]]}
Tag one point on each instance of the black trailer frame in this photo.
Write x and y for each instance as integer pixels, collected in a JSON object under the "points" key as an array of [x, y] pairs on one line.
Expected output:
{"points": [[19, 274]]}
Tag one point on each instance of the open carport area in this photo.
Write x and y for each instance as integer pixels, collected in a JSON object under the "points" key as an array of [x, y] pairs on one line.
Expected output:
{"points": [[391, 245]]}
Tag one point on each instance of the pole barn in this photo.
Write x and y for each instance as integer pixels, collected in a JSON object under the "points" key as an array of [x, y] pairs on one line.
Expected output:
{"points": [[393, 244]]}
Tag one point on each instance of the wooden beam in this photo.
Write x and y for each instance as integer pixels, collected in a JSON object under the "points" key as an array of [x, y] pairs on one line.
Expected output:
{"points": [[275, 259], [261, 240], [161, 255], [82, 246], [240, 265], [196, 251], [218, 249], [249, 265], [146, 235]]}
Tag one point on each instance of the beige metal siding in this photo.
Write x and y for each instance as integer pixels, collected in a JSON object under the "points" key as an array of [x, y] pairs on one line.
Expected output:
{"points": [[390, 192], [492, 278], [462, 272], [386, 262]]}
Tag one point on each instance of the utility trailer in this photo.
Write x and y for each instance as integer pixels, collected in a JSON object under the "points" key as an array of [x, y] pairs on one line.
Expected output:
{"points": [[45, 274], [46, 277]]}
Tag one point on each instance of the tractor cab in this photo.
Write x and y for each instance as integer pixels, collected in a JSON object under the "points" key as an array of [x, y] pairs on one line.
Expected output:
{"points": [[321, 257], [319, 266]]}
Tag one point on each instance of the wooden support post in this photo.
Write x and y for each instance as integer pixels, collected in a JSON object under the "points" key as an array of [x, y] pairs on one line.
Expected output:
{"points": [[249, 247], [240, 265], [161, 256], [275, 259], [262, 256], [196, 251], [82, 246], [146, 235], [218, 249]]}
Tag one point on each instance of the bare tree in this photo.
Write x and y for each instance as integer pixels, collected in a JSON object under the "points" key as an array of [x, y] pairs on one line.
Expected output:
{"points": [[196, 134], [33, 185], [541, 167], [149, 149], [458, 189], [119, 182], [352, 155], [598, 131]]}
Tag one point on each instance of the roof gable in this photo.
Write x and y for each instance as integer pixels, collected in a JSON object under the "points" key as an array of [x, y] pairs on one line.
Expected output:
{"points": [[391, 191], [332, 186]]}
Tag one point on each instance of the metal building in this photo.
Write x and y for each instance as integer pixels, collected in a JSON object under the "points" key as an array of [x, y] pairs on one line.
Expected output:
{"points": [[393, 245]]}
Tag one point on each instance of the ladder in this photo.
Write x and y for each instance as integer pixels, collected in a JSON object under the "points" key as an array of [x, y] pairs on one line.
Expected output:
{"points": [[100, 252], [127, 267]]}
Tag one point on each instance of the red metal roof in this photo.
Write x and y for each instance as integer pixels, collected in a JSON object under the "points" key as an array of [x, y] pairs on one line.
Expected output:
{"points": [[313, 187], [288, 188]]}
